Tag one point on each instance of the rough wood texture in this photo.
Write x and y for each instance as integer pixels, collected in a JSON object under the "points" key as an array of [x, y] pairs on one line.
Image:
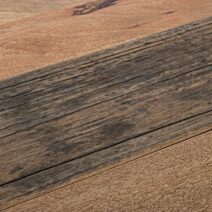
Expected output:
{"points": [[177, 178], [162, 176], [63, 174], [62, 121], [61, 34]]}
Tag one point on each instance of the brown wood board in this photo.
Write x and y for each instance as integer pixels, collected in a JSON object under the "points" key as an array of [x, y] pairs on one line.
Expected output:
{"points": [[12, 10], [78, 28], [177, 178], [74, 117]]}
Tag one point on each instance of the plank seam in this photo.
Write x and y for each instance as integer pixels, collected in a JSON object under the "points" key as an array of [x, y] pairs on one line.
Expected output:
{"points": [[67, 79], [193, 27], [107, 170], [142, 134]]}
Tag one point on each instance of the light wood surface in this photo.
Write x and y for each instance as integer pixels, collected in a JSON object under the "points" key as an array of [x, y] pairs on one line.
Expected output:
{"points": [[77, 29], [177, 178], [70, 119], [12, 10]]}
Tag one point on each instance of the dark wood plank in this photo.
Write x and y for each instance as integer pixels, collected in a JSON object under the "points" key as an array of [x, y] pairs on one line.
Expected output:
{"points": [[59, 176], [47, 93], [56, 122], [104, 82]]}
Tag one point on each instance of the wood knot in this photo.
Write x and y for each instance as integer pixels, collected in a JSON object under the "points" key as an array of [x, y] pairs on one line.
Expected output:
{"points": [[92, 6]]}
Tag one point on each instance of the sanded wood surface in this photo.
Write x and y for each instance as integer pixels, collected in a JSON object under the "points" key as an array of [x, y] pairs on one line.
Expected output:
{"points": [[177, 178], [85, 26], [74, 117], [12, 10]]}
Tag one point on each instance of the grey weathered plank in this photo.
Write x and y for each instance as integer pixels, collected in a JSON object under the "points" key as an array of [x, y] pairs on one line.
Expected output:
{"points": [[56, 122], [74, 89], [62, 174], [101, 125]]}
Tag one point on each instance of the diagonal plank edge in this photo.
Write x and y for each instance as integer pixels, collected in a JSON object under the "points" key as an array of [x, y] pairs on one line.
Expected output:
{"points": [[91, 58], [75, 117], [82, 132], [101, 80]]}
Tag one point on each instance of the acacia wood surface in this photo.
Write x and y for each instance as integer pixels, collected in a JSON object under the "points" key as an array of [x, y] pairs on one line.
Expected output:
{"points": [[177, 178], [74, 117], [84, 26], [12, 10]]}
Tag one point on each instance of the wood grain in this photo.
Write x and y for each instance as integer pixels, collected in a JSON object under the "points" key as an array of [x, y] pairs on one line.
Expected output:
{"points": [[72, 118], [177, 178], [61, 34], [12, 10]]}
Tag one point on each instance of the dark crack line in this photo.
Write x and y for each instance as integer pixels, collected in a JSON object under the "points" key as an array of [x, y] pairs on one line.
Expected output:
{"points": [[104, 148]]}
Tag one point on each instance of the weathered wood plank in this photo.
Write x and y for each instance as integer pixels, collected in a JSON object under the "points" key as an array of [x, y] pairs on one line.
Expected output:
{"points": [[64, 174], [56, 122], [177, 178], [107, 54], [49, 97]]}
